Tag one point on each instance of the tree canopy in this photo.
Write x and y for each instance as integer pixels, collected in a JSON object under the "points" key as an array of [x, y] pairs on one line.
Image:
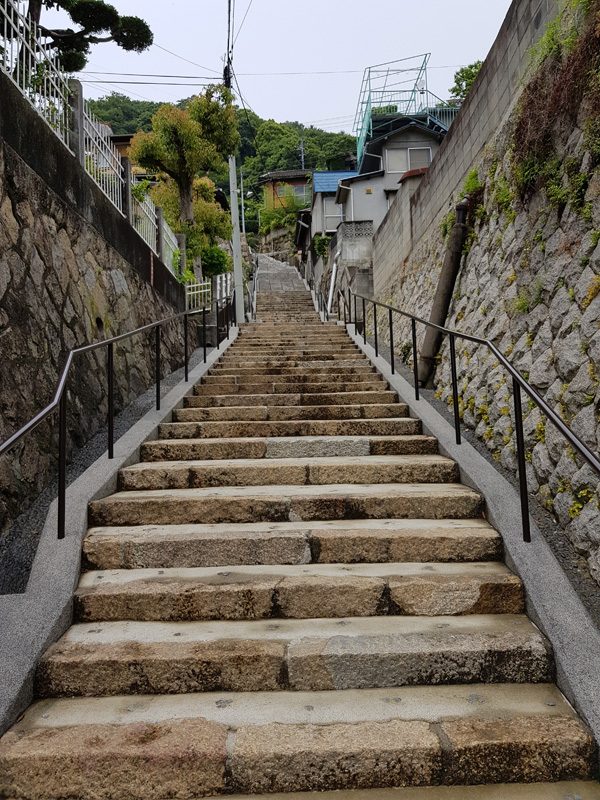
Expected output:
{"points": [[264, 145], [97, 22], [464, 78], [185, 143]]}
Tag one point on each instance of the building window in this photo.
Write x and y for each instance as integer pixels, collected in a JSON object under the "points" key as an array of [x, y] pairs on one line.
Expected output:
{"points": [[281, 190], [300, 191], [419, 157], [397, 160]]}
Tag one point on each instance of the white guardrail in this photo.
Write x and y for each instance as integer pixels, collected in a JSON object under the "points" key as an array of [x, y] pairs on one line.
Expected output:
{"points": [[32, 64], [200, 295]]}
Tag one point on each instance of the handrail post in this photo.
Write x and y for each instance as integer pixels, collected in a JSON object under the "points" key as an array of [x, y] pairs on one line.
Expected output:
{"points": [[217, 322], [455, 389], [413, 325], [157, 364], [62, 463], [349, 306], [364, 320], [391, 331], [345, 312], [186, 356], [110, 376], [521, 461], [355, 315], [375, 328], [204, 331], [227, 317]]}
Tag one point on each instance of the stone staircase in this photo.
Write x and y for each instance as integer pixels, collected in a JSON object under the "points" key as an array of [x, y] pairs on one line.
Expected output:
{"points": [[292, 592]]}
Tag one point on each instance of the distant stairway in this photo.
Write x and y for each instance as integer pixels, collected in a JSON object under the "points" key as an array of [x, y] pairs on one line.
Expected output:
{"points": [[293, 592]]}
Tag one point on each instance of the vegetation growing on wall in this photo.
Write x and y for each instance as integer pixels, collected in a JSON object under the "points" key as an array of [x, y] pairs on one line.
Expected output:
{"points": [[563, 93]]}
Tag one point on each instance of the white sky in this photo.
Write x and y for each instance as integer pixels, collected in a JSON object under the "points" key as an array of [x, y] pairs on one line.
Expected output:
{"points": [[296, 36]]}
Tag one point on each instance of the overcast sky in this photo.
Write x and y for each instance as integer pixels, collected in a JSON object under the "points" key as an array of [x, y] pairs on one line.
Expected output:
{"points": [[341, 36]]}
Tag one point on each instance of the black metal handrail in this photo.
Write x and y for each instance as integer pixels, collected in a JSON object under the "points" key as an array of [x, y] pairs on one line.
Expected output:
{"points": [[225, 308], [519, 382]]}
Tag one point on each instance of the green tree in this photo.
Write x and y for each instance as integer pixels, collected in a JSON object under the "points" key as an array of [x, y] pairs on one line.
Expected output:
{"points": [[464, 78], [210, 223], [98, 21], [123, 114], [186, 143]]}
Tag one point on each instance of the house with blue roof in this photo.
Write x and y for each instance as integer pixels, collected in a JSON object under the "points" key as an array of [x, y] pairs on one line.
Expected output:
{"points": [[326, 214]]}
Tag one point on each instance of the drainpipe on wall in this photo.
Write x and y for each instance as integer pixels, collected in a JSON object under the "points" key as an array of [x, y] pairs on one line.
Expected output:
{"points": [[443, 295]]}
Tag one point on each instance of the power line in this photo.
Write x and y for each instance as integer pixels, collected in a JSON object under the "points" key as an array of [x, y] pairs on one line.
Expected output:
{"points": [[242, 22], [182, 58], [147, 75], [148, 83]]}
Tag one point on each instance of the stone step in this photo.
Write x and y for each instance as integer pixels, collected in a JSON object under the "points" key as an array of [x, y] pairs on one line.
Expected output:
{"points": [[561, 790], [283, 413], [288, 471], [401, 426], [335, 541], [374, 385], [291, 368], [300, 655], [298, 592], [186, 746], [257, 379], [331, 398], [286, 447], [292, 503]]}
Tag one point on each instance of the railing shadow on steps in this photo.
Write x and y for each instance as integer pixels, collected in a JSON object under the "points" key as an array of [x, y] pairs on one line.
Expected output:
{"points": [[225, 319], [350, 302]]}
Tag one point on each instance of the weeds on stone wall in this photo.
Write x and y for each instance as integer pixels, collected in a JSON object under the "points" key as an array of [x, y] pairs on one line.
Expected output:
{"points": [[563, 91]]}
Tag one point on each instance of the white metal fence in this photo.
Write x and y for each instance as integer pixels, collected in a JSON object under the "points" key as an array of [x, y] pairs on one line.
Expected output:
{"points": [[198, 295], [170, 247], [144, 221], [223, 285], [102, 159], [33, 65]]}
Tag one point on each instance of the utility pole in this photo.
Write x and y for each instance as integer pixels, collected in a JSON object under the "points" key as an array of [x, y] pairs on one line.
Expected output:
{"points": [[302, 152], [238, 273], [243, 202]]}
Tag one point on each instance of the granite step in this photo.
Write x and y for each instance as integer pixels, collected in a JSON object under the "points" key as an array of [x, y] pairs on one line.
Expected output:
{"points": [[308, 591], [288, 503], [335, 541], [288, 471], [289, 367], [329, 399], [400, 426], [331, 374], [119, 658], [217, 743], [282, 413], [562, 790], [313, 387], [286, 447]]}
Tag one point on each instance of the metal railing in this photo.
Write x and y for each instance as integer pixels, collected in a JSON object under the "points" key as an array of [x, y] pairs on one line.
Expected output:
{"points": [[170, 247], [144, 221], [198, 295], [223, 285], [33, 66], [353, 300], [225, 316], [102, 159]]}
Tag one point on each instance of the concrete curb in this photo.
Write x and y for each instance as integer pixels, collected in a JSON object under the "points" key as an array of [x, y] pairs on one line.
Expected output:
{"points": [[552, 602], [32, 621]]}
